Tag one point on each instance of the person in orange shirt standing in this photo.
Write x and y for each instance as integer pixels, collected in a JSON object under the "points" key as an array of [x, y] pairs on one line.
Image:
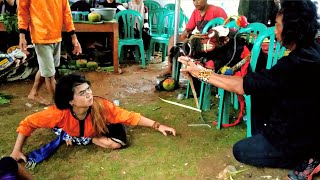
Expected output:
{"points": [[45, 20], [84, 118]]}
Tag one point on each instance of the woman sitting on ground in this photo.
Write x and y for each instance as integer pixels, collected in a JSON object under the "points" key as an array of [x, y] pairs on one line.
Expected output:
{"points": [[84, 117]]}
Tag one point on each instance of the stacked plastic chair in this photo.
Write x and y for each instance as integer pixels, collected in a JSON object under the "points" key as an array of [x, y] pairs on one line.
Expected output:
{"points": [[205, 89], [151, 5], [128, 17], [172, 6], [163, 30]]}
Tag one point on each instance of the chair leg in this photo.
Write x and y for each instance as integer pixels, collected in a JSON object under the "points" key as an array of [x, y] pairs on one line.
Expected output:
{"points": [[224, 107], [164, 52], [120, 52], [136, 53], [220, 108], [143, 59], [188, 90], [206, 105], [235, 101], [201, 95], [150, 50], [248, 113]]}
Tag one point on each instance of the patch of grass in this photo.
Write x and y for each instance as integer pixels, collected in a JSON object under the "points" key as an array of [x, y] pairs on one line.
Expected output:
{"points": [[4, 98], [195, 153]]}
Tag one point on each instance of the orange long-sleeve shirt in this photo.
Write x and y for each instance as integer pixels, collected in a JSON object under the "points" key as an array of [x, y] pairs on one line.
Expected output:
{"points": [[45, 19], [53, 117]]}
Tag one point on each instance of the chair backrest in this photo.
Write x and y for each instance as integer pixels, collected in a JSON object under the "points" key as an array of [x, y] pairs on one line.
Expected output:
{"points": [[172, 6], [165, 25], [122, 1], [275, 50], [151, 4], [232, 24], [212, 23], [129, 18], [253, 30], [155, 17]]}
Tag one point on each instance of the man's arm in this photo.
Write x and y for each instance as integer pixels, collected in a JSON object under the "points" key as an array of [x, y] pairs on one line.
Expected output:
{"points": [[23, 15], [23, 23], [67, 17]]}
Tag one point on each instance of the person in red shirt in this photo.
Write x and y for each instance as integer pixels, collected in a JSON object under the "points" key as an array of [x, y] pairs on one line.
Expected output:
{"points": [[203, 13]]}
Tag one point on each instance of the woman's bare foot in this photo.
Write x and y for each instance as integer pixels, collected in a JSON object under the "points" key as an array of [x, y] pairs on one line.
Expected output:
{"points": [[39, 99]]}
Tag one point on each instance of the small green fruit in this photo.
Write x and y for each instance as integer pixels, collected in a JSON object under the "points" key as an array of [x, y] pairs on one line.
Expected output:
{"points": [[92, 65], [168, 84], [81, 63], [94, 17]]}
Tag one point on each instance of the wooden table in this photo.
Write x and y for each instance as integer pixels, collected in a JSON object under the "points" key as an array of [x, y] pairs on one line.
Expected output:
{"points": [[107, 27]]}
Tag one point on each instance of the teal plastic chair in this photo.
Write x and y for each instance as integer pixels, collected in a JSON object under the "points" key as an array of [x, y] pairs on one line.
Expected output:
{"points": [[275, 52], [122, 1], [204, 100], [172, 6], [252, 30], [232, 24], [212, 23], [162, 31], [151, 5], [128, 18], [154, 16]]}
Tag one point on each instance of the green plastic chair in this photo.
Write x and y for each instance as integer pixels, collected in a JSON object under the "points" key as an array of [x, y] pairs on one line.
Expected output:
{"points": [[128, 18], [251, 29], [151, 5], [122, 1], [212, 23], [153, 16], [232, 24], [172, 6], [162, 31], [275, 52], [205, 89]]}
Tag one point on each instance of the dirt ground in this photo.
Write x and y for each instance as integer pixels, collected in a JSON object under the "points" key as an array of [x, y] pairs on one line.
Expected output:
{"points": [[134, 84]]}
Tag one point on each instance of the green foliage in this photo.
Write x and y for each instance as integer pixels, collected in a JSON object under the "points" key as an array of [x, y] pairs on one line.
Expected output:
{"points": [[10, 23], [4, 99]]}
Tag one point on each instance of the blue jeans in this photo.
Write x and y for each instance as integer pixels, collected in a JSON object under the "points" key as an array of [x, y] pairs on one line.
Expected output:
{"points": [[257, 151]]}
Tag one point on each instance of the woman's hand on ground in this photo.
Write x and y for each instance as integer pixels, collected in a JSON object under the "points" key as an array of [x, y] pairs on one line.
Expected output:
{"points": [[165, 129], [17, 155]]}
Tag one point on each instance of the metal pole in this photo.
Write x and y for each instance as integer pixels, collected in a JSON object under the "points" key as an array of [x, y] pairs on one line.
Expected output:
{"points": [[176, 21], [175, 37]]}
